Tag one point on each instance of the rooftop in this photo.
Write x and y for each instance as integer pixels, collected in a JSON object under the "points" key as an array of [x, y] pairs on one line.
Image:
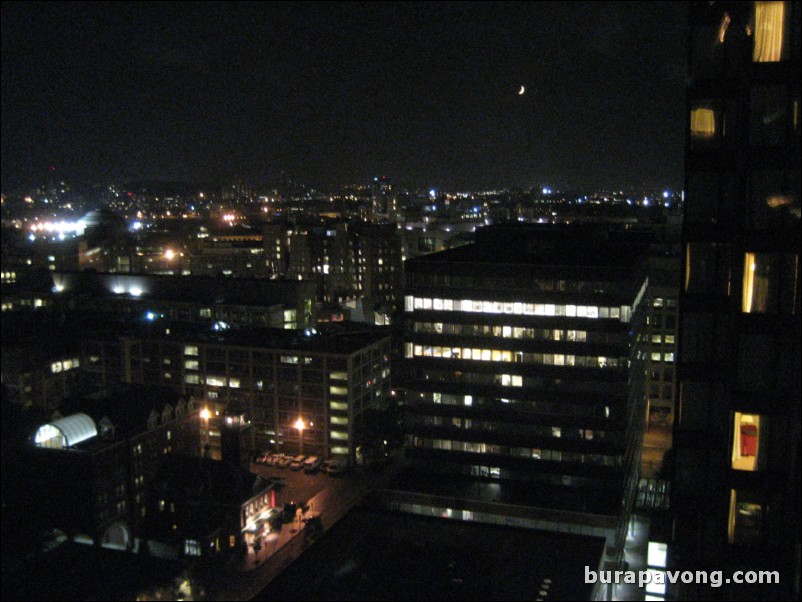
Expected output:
{"points": [[547, 245], [376, 555]]}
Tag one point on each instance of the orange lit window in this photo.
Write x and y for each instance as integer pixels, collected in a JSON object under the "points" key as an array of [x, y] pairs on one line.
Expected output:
{"points": [[748, 439], [746, 516], [769, 32], [769, 283], [703, 123]]}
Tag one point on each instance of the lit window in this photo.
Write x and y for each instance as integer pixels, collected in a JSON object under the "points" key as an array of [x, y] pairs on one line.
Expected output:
{"points": [[703, 123], [769, 32], [190, 350], [746, 517], [769, 283], [748, 430]]}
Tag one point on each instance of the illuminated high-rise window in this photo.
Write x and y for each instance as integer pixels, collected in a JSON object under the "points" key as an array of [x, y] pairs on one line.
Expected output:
{"points": [[748, 441], [703, 123], [746, 517], [770, 283], [769, 32]]}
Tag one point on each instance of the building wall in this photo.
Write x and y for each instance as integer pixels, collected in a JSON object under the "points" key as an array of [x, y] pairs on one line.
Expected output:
{"points": [[272, 387], [537, 379], [737, 437]]}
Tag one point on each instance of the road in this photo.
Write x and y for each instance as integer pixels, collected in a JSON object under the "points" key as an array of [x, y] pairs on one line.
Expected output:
{"points": [[329, 498]]}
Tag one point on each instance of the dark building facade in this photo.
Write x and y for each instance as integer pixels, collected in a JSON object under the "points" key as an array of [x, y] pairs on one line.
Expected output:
{"points": [[736, 494], [523, 371]]}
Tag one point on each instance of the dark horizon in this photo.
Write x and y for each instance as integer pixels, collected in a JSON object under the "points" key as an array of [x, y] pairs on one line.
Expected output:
{"points": [[330, 94]]}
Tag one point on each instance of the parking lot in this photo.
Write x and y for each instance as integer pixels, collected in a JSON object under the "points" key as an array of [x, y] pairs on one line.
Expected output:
{"points": [[300, 486]]}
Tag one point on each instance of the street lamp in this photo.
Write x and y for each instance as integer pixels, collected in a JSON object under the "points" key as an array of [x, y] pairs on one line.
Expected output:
{"points": [[299, 424]]}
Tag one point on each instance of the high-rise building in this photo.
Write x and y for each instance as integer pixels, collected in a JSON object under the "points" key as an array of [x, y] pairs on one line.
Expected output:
{"points": [[524, 379], [383, 199], [736, 492]]}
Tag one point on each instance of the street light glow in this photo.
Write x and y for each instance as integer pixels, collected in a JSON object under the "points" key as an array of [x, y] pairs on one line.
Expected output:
{"points": [[299, 424]]}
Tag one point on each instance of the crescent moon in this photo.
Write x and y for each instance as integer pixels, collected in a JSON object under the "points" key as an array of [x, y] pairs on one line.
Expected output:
{"points": [[521, 91]]}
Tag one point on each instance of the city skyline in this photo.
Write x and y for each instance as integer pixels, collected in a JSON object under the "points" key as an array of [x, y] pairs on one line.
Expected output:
{"points": [[426, 93]]}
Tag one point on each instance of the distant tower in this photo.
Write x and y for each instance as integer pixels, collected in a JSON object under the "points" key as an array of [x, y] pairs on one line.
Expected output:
{"points": [[384, 199]]}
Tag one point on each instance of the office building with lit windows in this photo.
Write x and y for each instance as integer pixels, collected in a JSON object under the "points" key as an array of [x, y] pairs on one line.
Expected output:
{"points": [[525, 381], [736, 492], [660, 343], [301, 391]]}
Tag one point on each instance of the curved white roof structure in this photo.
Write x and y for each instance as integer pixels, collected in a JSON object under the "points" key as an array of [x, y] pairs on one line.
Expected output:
{"points": [[66, 432]]}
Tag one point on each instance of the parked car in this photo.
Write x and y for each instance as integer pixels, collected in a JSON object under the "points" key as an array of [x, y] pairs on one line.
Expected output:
{"points": [[337, 466], [296, 465], [312, 464], [284, 462]]}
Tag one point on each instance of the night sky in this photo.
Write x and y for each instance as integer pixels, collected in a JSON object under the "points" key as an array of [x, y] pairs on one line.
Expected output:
{"points": [[334, 93]]}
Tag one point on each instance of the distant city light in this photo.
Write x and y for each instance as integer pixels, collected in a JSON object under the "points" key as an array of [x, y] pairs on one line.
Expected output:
{"points": [[150, 316], [61, 227], [135, 291], [666, 194], [546, 190], [136, 225], [118, 290], [169, 254], [432, 193]]}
